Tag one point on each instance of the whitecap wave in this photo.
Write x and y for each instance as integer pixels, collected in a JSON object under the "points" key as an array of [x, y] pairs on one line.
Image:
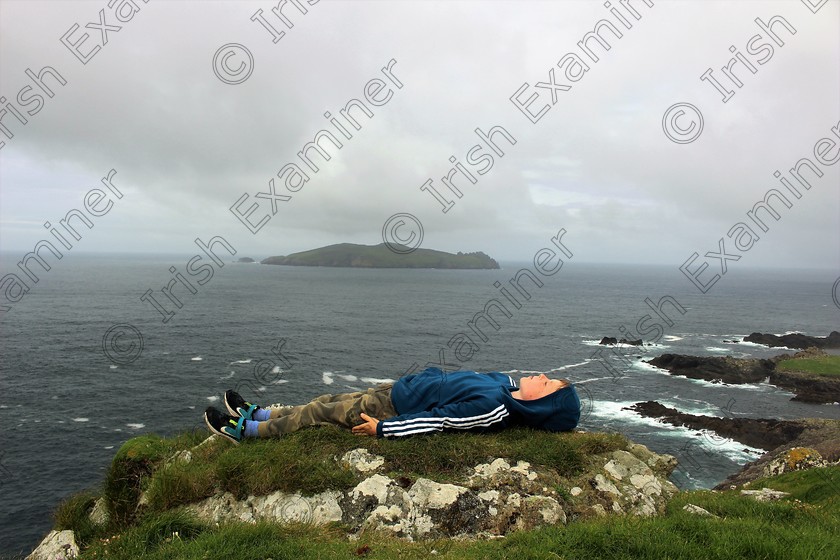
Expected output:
{"points": [[136, 426], [376, 380], [228, 376], [212, 398], [248, 361], [327, 378], [81, 419], [709, 441], [196, 359], [569, 366]]}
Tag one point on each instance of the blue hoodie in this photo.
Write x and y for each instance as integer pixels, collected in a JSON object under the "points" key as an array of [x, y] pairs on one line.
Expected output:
{"points": [[432, 401]]}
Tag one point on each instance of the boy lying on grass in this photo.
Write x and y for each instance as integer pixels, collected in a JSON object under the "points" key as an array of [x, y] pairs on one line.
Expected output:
{"points": [[419, 403]]}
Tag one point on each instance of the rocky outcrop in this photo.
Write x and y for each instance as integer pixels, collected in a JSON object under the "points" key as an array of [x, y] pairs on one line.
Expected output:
{"points": [[716, 368], [490, 500], [607, 340], [755, 432], [795, 340], [817, 445], [806, 387], [57, 545], [791, 444]]}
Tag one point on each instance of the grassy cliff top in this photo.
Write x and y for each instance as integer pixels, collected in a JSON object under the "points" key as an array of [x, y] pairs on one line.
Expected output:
{"points": [[305, 462]]}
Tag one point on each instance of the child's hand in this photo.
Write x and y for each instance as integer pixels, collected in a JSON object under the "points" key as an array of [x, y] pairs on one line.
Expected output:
{"points": [[366, 429]]}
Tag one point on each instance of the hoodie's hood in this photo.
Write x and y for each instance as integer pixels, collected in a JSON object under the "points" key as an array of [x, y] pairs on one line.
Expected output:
{"points": [[557, 412]]}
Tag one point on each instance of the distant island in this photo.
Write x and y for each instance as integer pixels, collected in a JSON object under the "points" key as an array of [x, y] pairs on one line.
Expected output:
{"points": [[380, 256]]}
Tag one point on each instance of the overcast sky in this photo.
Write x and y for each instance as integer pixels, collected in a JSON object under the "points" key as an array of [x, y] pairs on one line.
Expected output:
{"points": [[186, 145]]}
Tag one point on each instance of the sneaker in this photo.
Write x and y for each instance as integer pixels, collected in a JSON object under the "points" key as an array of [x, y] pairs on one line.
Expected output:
{"points": [[237, 406], [230, 427]]}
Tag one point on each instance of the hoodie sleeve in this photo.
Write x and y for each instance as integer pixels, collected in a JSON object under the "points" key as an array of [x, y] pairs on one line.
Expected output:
{"points": [[483, 414]]}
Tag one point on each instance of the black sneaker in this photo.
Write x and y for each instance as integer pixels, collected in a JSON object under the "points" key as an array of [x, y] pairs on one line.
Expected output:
{"points": [[224, 425], [237, 406]]}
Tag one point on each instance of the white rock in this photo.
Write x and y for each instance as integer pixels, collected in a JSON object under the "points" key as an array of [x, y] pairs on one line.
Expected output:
{"points": [[691, 508], [428, 494], [376, 486], [645, 509], [604, 485], [524, 468], [599, 510], [99, 513], [362, 460], [765, 494], [489, 495], [616, 471], [576, 491], [57, 545], [648, 484], [485, 470]]}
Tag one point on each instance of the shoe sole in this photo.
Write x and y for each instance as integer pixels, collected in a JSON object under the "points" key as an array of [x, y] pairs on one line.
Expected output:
{"points": [[217, 432], [231, 411]]}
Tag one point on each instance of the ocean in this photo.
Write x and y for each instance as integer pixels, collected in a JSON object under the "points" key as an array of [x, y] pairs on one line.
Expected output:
{"points": [[288, 334]]}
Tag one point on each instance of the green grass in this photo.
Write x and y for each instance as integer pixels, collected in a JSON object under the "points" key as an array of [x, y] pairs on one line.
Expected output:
{"points": [[304, 462], [745, 529], [828, 366]]}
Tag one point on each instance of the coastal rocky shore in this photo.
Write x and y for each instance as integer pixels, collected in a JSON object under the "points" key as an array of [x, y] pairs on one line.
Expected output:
{"points": [[790, 444], [806, 387], [795, 340]]}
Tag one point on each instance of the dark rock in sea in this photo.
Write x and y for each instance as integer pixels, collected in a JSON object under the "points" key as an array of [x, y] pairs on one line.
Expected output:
{"points": [[820, 434], [716, 368], [810, 388], [610, 340], [246, 260], [795, 340], [777, 436], [761, 432]]}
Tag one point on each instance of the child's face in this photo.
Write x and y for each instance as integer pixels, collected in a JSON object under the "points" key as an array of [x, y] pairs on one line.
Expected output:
{"points": [[537, 386]]}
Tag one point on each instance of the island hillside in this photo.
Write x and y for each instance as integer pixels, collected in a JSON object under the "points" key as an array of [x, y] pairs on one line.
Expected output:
{"points": [[380, 256]]}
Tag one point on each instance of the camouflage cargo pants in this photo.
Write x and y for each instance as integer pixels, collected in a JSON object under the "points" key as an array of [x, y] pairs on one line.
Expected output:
{"points": [[338, 410]]}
